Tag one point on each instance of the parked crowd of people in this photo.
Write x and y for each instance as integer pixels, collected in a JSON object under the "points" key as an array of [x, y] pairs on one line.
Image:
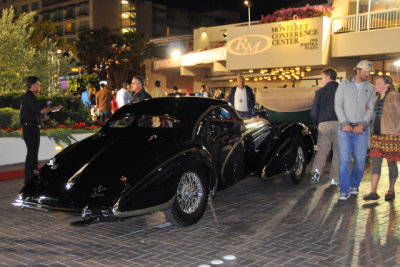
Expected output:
{"points": [[348, 116], [103, 102]]}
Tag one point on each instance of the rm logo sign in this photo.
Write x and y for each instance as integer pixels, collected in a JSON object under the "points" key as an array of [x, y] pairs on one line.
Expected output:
{"points": [[249, 45]]}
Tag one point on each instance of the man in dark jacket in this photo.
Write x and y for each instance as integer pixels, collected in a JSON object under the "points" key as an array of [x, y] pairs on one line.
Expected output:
{"points": [[176, 92], [242, 98], [30, 117], [138, 87], [323, 115]]}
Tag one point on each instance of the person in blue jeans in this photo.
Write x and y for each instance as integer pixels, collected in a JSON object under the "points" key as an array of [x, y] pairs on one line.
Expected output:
{"points": [[354, 106]]}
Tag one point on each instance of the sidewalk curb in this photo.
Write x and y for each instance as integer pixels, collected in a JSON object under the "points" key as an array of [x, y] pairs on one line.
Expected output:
{"points": [[7, 175]]}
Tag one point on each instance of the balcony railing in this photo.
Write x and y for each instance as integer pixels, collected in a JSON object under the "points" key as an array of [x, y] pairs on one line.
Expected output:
{"points": [[367, 21]]}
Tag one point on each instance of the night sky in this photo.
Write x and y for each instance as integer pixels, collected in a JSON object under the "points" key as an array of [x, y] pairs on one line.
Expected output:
{"points": [[259, 6]]}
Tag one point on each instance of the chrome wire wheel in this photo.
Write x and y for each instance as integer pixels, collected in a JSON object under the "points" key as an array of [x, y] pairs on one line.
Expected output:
{"points": [[189, 192], [299, 162]]}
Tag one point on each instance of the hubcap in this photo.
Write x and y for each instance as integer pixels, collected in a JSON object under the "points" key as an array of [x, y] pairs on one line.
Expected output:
{"points": [[299, 163], [189, 192]]}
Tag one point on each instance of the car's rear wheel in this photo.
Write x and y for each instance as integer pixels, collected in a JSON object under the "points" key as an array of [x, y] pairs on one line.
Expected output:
{"points": [[297, 172], [191, 197]]}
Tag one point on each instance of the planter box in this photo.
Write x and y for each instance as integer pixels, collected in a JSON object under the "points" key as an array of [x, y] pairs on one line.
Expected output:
{"points": [[13, 149]]}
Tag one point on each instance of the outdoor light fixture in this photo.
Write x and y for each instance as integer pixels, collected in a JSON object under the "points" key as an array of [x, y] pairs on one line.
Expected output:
{"points": [[176, 54], [58, 148], [248, 4]]}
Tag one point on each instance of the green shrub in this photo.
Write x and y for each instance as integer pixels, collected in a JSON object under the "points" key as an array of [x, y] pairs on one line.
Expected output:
{"points": [[9, 118], [73, 109], [11, 100]]}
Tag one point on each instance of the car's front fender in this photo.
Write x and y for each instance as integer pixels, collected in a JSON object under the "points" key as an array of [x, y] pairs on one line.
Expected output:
{"points": [[159, 185]]}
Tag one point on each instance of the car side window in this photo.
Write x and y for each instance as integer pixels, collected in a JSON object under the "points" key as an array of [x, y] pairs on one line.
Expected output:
{"points": [[122, 121], [220, 120], [157, 121]]}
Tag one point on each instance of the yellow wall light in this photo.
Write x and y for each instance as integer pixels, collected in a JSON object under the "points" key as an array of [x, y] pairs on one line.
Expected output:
{"points": [[58, 147]]}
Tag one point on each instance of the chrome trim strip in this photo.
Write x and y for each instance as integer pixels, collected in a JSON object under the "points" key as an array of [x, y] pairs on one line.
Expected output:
{"points": [[38, 206], [131, 213]]}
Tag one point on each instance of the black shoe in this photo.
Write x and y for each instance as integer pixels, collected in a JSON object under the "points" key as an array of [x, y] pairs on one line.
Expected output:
{"points": [[371, 196], [389, 196]]}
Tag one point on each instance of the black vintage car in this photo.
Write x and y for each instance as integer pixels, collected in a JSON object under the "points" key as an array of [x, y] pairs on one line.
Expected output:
{"points": [[166, 154]]}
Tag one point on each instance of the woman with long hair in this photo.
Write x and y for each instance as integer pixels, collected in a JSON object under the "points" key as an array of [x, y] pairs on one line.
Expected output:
{"points": [[385, 139]]}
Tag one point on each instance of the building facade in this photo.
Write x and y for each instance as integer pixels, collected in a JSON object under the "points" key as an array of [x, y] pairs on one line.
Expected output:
{"points": [[291, 53], [157, 20]]}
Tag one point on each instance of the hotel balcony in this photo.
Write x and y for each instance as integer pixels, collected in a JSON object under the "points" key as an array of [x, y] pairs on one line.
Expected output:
{"points": [[366, 34]]}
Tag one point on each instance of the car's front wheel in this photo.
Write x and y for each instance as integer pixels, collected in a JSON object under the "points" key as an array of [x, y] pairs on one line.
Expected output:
{"points": [[191, 197]]}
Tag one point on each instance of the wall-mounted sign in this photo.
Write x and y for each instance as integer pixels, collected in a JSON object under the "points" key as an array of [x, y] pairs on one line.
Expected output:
{"points": [[285, 43], [251, 44]]}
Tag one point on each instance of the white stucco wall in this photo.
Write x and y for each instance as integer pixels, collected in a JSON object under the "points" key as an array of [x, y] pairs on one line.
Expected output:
{"points": [[13, 149]]}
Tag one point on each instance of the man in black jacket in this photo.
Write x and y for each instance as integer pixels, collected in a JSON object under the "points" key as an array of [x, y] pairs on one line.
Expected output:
{"points": [[30, 117], [242, 98], [323, 114], [138, 87]]}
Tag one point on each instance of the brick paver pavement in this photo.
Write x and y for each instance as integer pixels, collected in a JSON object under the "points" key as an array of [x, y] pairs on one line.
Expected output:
{"points": [[259, 223]]}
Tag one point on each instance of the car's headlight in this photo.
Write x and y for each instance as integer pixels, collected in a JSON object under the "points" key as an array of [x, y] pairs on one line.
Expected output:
{"points": [[53, 164]]}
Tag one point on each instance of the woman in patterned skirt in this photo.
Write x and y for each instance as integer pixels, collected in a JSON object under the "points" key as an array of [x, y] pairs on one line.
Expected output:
{"points": [[385, 140]]}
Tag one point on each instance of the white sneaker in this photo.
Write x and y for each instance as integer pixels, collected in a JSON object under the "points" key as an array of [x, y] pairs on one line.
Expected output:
{"points": [[354, 190], [334, 182], [343, 196], [315, 178]]}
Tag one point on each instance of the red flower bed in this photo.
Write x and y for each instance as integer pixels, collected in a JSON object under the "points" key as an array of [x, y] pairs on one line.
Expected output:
{"points": [[80, 125], [299, 13]]}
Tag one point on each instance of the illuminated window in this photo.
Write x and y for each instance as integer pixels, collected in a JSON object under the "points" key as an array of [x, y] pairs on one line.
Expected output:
{"points": [[70, 28]]}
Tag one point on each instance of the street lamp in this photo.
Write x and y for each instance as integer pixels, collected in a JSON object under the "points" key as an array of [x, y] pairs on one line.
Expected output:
{"points": [[248, 4]]}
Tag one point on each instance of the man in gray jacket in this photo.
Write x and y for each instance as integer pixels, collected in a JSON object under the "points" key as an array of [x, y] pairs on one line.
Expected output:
{"points": [[354, 106]]}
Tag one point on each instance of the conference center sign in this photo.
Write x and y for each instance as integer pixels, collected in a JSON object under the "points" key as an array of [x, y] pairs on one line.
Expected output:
{"points": [[286, 43]]}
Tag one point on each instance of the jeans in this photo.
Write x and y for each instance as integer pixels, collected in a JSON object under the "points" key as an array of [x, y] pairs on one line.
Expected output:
{"points": [[354, 146], [245, 114], [104, 115]]}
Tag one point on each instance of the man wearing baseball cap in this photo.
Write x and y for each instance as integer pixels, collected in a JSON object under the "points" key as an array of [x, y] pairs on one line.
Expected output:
{"points": [[354, 106]]}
